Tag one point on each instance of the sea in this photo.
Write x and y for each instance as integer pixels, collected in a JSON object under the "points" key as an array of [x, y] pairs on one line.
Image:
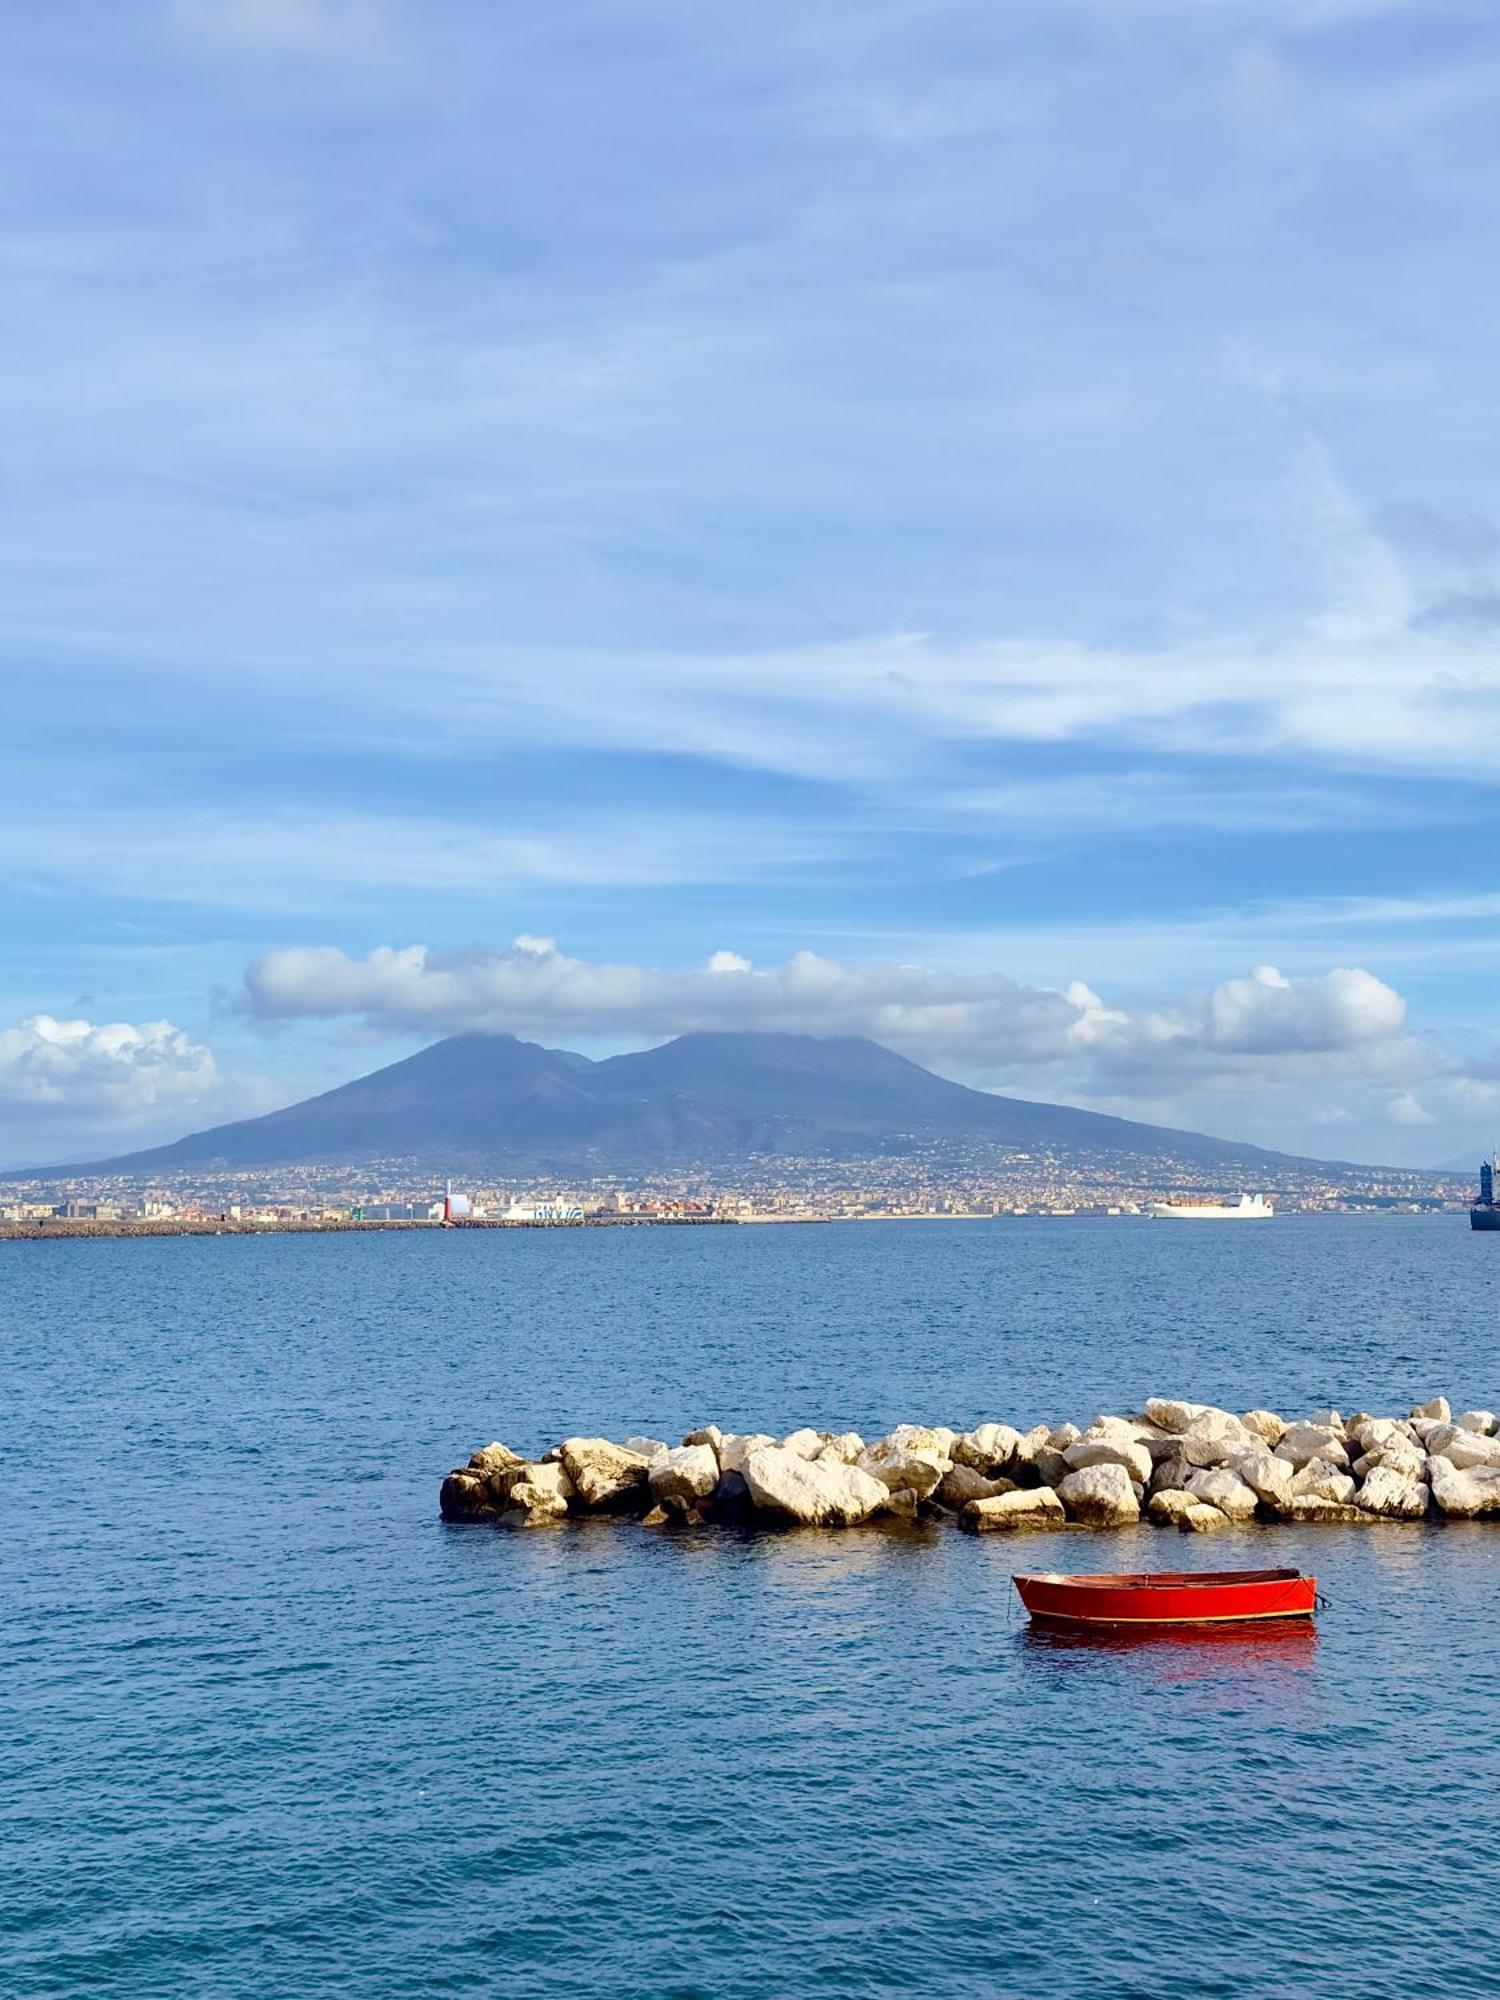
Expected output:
{"points": [[269, 1727]]}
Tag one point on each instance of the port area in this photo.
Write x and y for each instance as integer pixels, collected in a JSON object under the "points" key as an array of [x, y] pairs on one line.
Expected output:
{"points": [[59, 1228]]}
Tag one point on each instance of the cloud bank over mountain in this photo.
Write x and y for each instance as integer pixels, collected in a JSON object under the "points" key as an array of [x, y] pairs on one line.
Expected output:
{"points": [[1326, 1038], [534, 988]]}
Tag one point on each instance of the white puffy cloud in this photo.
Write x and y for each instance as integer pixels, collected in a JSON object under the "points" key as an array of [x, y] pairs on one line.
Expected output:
{"points": [[71, 1084], [115, 1068], [1271, 1015]]}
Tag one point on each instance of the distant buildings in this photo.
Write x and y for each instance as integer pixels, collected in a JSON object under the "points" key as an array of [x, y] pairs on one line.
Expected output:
{"points": [[968, 1180]]}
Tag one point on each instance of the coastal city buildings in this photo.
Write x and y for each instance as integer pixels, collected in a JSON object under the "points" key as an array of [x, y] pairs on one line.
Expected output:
{"points": [[977, 1182]]}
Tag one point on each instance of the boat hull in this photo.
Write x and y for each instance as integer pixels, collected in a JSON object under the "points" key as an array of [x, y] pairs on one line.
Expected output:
{"points": [[1212, 1211], [1484, 1218], [1228, 1597]]}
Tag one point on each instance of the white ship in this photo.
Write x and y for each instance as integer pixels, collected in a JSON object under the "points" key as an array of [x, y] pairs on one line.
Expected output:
{"points": [[1247, 1208]]}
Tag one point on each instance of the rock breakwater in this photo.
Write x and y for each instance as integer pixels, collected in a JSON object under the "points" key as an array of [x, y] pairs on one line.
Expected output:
{"points": [[1176, 1464]]}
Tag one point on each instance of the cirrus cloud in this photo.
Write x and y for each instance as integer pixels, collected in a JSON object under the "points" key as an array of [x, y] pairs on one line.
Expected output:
{"points": [[315, 27]]}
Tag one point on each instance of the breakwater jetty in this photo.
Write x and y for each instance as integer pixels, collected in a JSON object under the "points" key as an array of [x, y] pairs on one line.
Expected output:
{"points": [[1177, 1464]]}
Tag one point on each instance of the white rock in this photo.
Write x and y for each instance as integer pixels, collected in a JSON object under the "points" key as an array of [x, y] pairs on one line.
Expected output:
{"points": [[1170, 1415], [1305, 1442], [1482, 1421], [1202, 1519], [546, 1489], [1381, 1433], [737, 1446], [1176, 1508], [708, 1434], [1265, 1424], [1393, 1495], [1439, 1407], [1466, 1449], [1110, 1451], [1268, 1477], [899, 1462], [923, 1437], [605, 1474], [532, 1507], [1406, 1459], [822, 1495], [1462, 1495], [805, 1443], [844, 1449], [986, 1445], [1032, 1507], [1328, 1420], [1221, 1427], [1225, 1490], [647, 1448], [1129, 1428], [690, 1473], [1063, 1436], [1102, 1496], [552, 1479], [1318, 1480]]}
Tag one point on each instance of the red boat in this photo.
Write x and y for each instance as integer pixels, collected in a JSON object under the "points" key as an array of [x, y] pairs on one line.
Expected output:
{"points": [[1200, 1597]]}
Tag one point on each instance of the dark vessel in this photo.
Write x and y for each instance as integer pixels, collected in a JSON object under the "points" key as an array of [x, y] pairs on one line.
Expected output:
{"points": [[1484, 1214]]}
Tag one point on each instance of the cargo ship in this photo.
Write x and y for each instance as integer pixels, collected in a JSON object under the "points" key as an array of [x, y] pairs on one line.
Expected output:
{"points": [[1248, 1208], [1484, 1214]]}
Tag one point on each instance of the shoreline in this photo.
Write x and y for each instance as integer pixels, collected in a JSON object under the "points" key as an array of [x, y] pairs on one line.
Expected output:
{"points": [[63, 1228]]}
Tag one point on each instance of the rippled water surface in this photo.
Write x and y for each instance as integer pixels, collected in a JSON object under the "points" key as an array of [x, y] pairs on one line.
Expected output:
{"points": [[269, 1728]]}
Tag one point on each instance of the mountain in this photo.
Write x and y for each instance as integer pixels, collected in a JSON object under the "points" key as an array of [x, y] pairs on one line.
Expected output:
{"points": [[493, 1102]]}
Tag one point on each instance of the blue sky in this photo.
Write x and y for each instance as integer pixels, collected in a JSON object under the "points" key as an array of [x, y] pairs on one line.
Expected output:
{"points": [[982, 515]]}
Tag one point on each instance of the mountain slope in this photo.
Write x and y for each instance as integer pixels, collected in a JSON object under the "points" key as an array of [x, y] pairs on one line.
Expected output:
{"points": [[491, 1101]]}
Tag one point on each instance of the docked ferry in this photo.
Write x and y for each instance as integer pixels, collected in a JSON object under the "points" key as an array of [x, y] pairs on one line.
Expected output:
{"points": [[1249, 1207]]}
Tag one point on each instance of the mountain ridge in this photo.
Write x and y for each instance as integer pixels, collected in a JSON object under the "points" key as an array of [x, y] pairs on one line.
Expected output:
{"points": [[477, 1101]]}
